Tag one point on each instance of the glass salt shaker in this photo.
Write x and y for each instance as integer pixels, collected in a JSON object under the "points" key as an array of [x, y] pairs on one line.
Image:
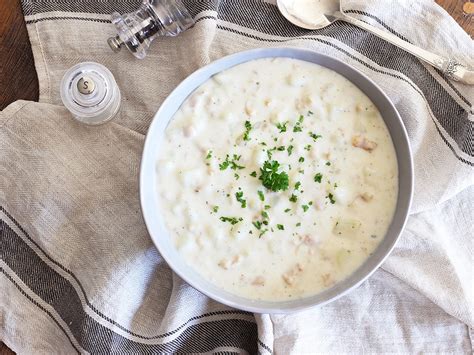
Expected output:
{"points": [[136, 30], [89, 91]]}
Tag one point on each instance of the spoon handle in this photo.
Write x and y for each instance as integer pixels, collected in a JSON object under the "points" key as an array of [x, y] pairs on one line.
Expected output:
{"points": [[450, 67]]}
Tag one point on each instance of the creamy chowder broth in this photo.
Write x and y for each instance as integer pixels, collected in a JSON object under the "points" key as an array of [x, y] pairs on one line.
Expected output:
{"points": [[277, 179]]}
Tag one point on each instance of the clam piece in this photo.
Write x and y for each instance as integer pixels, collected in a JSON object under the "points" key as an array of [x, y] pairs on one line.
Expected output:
{"points": [[363, 143]]}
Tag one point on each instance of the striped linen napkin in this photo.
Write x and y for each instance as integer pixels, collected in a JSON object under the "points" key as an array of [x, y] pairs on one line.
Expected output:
{"points": [[79, 272]]}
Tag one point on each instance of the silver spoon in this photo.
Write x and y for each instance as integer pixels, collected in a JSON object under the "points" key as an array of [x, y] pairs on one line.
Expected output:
{"points": [[331, 11]]}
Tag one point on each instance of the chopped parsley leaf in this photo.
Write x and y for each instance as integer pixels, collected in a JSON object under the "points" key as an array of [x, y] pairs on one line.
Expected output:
{"points": [[297, 127], [298, 224], [315, 136], [289, 149], [225, 164], [310, 203], [239, 197], [287, 210], [257, 224], [260, 195], [282, 126], [236, 176], [305, 207], [215, 209], [253, 174], [301, 159], [265, 214], [248, 127], [330, 196], [271, 178], [297, 185], [310, 113], [308, 147], [263, 232], [209, 154], [232, 163], [328, 163], [281, 148], [267, 207], [293, 198], [281, 227], [270, 152], [318, 177], [231, 220]]}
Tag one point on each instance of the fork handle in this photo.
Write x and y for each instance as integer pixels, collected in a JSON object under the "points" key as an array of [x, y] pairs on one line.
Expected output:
{"points": [[450, 67]]}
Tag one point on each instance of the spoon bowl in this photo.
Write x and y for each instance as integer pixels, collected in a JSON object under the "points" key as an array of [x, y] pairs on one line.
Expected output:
{"points": [[309, 14]]}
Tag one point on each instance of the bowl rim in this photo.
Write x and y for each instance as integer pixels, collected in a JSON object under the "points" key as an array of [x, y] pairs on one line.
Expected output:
{"points": [[152, 214]]}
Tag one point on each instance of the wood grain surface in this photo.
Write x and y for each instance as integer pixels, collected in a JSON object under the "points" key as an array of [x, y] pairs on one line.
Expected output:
{"points": [[18, 78]]}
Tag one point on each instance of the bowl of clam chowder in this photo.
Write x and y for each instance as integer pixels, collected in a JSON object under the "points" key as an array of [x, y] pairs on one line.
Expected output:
{"points": [[276, 179]]}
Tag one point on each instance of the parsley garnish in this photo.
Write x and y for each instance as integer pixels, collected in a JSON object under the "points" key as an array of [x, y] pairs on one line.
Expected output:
{"points": [[297, 127], [328, 163], [239, 197], [314, 136], [270, 152], [281, 227], [209, 154], [267, 207], [310, 113], [236, 176], [231, 220], [260, 195], [271, 178], [301, 159], [297, 185], [215, 209], [282, 126], [308, 147], [287, 210], [298, 224], [330, 196], [257, 224], [305, 207], [248, 127], [290, 149], [263, 232], [265, 214], [253, 174], [318, 177], [232, 163], [293, 198], [281, 148]]}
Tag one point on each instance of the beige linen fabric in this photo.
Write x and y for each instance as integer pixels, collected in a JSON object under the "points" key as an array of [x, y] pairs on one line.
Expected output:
{"points": [[79, 271]]}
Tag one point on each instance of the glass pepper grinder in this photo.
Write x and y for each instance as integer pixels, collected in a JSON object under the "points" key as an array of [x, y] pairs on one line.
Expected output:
{"points": [[136, 30]]}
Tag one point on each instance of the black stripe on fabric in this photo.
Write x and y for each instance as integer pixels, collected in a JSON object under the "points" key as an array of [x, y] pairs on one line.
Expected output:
{"points": [[450, 115], [33, 7], [100, 314], [3, 271], [264, 346], [55, 290], [68, 18]]}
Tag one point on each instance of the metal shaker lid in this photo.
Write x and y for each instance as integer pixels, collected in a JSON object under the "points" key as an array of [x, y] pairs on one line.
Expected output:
{"points": [[89, 91]]}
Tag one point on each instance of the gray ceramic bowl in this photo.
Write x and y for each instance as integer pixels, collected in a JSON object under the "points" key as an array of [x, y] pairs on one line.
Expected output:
{"points": [[151, 206]]}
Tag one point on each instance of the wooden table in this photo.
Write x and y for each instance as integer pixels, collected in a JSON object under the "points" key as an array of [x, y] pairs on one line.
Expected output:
{"points": [[18, 75]]}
